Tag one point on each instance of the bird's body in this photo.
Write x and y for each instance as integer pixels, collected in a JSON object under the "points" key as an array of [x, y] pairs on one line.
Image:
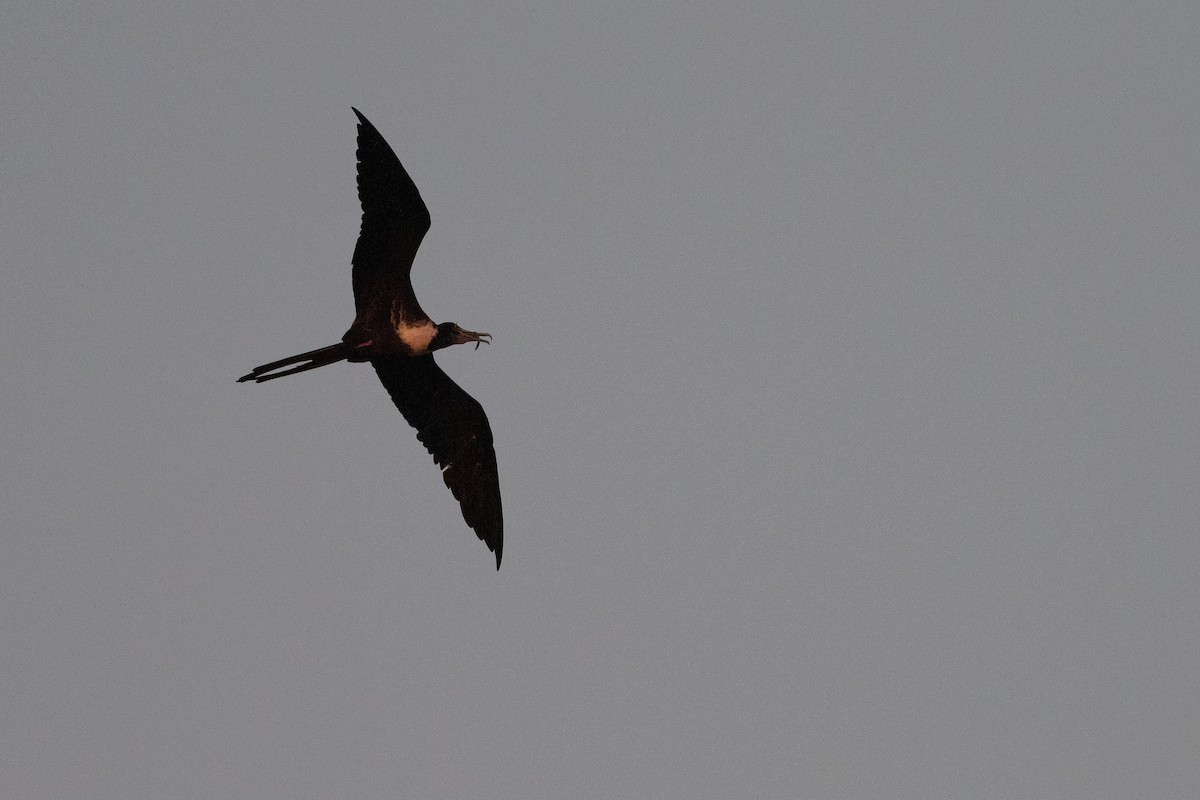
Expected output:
{"points": [[392, 332]]}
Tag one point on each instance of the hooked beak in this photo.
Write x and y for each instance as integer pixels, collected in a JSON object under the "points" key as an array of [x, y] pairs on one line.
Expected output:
{"points": [[466, 337]]}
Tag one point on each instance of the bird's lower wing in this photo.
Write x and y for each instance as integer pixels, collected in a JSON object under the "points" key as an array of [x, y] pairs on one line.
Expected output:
{"points": [[452, 426]]}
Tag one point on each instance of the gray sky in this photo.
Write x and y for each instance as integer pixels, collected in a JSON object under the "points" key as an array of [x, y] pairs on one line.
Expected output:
{"points": [[844, 388]]}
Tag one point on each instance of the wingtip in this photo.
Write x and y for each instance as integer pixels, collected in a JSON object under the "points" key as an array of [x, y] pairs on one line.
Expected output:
{"points": [[498, 551]]}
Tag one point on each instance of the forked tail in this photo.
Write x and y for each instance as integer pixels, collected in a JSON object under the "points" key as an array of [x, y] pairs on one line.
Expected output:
{"points": [[305, 361]]}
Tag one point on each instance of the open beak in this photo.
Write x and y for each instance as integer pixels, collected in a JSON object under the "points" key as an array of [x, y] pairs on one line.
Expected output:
{"points": [[466, 337]]}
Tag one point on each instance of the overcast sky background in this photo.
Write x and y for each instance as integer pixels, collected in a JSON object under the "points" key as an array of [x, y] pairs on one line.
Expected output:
{"points": [[844, 388]]}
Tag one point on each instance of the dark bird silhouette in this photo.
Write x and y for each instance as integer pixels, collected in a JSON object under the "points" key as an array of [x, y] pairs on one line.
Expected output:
{"points": [[392, 332]]}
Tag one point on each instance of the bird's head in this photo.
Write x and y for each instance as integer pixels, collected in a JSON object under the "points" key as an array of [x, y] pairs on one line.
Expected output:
{"points": [[448, 333]]}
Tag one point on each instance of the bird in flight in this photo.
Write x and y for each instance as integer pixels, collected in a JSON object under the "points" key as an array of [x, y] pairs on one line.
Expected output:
{"points": [[392, 332]]}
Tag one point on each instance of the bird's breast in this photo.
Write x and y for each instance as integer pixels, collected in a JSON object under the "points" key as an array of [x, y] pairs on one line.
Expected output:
{"points": [[416, 337]]}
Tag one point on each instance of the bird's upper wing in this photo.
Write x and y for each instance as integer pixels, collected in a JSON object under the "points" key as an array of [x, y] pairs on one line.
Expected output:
{"points": [[394, 221], [452, 426]]}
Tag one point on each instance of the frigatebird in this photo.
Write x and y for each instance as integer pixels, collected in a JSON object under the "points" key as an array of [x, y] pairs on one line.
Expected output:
{"points": [[392, 332]]}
